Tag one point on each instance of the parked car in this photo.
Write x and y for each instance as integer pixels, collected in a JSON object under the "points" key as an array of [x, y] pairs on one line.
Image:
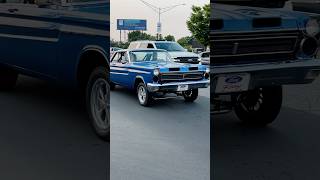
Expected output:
{"points": [[113, 50], [65, 42], [177, 52], [153, 74], [204, 58], [254, 52]]}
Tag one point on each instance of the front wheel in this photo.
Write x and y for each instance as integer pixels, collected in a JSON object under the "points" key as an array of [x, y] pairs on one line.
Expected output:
{"points": [[190, 95], [98, 101], [259, 107], [143, 94]]}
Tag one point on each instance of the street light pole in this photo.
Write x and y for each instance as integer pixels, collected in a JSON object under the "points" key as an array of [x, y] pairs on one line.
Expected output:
{"points": [[159, 11]]}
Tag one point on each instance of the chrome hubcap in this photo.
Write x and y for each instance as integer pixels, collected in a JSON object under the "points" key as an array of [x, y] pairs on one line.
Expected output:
{"points": [[100, 104], [252, 102], [142, 94]]}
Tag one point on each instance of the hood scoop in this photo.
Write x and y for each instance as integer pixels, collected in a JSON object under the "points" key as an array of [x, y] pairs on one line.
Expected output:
{"points": [[266, 22]]}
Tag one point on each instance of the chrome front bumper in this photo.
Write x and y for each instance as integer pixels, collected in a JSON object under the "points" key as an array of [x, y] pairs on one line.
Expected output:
{"points": [[173, 87], [271, 74]]}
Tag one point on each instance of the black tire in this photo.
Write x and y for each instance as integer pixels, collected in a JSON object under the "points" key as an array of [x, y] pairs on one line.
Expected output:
{"points": [[147, 99], [259, 107], [8, 79], [191, 95], [100, 120]]}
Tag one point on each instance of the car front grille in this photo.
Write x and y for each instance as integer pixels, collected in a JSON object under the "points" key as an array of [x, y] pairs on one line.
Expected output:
{"points": [[248, 47], [180, 77], [190, 60]]}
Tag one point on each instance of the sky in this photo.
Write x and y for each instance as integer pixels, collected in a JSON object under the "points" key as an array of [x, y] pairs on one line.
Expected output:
{"points": [[173, 22]]}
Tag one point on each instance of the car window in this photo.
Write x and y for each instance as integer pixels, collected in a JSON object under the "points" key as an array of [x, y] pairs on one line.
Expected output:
{"points": [[170, 46], [150, 46], [120, 57], [148, 56]]}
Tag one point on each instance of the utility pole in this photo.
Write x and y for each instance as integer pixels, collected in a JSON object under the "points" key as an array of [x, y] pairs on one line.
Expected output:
{"points": [[160, 11]]}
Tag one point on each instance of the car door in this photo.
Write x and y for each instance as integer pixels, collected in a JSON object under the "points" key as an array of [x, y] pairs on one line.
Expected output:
{"points": [[120, 69], [29, 36]]}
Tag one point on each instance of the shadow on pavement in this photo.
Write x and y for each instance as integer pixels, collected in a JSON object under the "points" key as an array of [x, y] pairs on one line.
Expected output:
{"points": [[45, 134], [287, 150]]}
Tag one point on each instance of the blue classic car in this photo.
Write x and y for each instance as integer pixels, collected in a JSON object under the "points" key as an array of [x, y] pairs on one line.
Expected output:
{"points": [[254, 52], [66, 42], [152, 73]]}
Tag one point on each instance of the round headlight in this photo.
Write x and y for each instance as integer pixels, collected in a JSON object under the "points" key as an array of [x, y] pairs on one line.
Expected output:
{"points": [[312, 27], [208, 70], [156, 72], [308, 47]]}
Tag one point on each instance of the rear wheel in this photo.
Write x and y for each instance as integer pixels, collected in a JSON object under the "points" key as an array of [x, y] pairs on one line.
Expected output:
{"points": [[8, 79], [259, 107], [98, 102]]}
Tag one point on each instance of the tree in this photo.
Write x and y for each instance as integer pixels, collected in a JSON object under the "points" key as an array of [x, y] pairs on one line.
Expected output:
{"points": [[170, 38], [123, 45], [199, 22], [138, 35], [186, 42]]}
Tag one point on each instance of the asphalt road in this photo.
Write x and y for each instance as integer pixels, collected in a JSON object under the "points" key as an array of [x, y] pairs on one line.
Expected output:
{"points": [[288, 150], [169, 140], [44, 134]]}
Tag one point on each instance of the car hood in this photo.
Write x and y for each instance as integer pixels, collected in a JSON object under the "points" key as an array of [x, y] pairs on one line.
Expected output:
{"points": [[241, 17], [178, 54], [168, 66]]}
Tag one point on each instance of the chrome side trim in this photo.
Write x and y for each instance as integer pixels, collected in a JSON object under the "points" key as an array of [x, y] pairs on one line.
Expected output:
{"points": [[178, 83], [36, 38]]}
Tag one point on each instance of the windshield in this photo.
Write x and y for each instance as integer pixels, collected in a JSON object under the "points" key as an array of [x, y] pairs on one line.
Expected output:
{"points": [[170, 46], [149, 56]]}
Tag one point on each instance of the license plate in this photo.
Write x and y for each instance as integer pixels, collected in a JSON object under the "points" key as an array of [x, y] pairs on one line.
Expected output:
{"points": [[233, 83], [183, 88]]}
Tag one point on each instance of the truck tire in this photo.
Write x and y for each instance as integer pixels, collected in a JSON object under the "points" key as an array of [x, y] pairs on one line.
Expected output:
{"points": [[259, 107], [8, 79], [191, 95], [143, 94], [98, 102]]}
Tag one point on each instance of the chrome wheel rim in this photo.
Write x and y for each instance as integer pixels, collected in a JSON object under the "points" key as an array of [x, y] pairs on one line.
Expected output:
{"points": [[142, 94], [100, 104], [252, 102], [188, 93]]}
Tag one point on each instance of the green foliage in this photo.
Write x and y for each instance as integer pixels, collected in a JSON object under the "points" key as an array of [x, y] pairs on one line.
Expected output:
{"points": [[123, 45], [170, 38], [199, 22], [138, 35], [186, 42]]}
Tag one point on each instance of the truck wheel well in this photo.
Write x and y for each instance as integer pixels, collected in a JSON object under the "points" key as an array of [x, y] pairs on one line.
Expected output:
{"points": [[137, 81], [89, 60]]}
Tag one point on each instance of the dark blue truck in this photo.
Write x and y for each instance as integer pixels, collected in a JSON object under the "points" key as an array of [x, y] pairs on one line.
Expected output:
{"points": [[62, 41], [254, 52]]}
